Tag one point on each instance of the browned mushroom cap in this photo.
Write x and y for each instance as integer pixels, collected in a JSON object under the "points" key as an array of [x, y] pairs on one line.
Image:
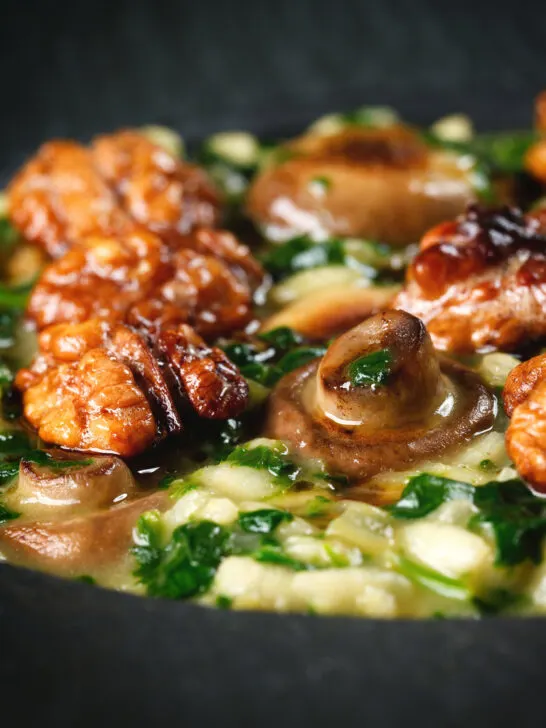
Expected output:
{"points": [[403, 406], [328, 312], [379, 183], [80, 545], [51, 493]]}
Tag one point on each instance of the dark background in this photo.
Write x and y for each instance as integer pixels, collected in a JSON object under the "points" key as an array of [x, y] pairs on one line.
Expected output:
{"points": [[71, 655], [74, 68]]}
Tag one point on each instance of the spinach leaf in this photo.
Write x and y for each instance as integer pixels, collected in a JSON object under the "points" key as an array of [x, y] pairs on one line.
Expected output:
{"points": [[425, 493], [371, 370], [264, 458], [302, 253], [516, 517], [186, 565], [282, 338], [265, 520], [6, 514], [273, 554], [433, 580], [8, 234]]}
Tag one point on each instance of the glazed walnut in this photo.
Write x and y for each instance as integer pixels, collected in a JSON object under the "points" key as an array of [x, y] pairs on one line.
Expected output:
{"points": [[100, 387], [525, 401], [210, 380], [58, 197], [100, 277], [157, 190], [479, 283], [68, 192], [207, 280]]}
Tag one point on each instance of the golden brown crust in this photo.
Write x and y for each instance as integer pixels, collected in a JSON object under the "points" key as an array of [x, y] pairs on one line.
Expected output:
{"points": [[211, 381], [166, 195], [93, 404], [58, 197], [100, 387], [521, 381], [480, 282], [526, 437], [100, 277], [207, 280]]}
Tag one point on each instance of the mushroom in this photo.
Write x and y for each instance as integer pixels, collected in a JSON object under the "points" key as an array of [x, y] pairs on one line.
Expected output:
{"points": [[79, 545], [325, 313], [384, 183], [380, 399], [50, 493]]}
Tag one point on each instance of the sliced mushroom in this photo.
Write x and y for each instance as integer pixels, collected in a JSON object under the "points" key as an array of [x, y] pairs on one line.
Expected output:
{"points": [[51, 493], [379, 183], [420, 406], [80, 545], [325, 313]]}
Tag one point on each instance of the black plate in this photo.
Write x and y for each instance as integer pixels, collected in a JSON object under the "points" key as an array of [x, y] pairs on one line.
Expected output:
{"points": [[72, 655]]}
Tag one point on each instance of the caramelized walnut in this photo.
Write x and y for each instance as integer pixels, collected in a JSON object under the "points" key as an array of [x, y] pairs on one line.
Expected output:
{"points": [[420, 407], [100, 277], [58, 198], [525, 401], [207, 280], [159, 191], [479, 283], [92, 404], [384, 183], [98, 387], [210, 380]]}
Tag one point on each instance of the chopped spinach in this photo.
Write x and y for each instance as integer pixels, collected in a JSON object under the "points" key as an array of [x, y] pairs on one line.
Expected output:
{"points": [[283, 470], [285, 351], [302, 253], [282, 338], [318, 507], [186, 565], [516, 517], [371, 370], [265, 520], [6, 514], [223, 602], [8, 234], [433, 580], [425, 493]]}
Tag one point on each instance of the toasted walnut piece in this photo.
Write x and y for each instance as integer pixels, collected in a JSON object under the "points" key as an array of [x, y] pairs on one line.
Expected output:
{"points": [[224, 245], [522, 380], [64, 348], [58, 198], [210, 380], [480, 283], [159, 191], [526, 437], [202, 291], [524, 397], [100, 277], [93, 404]]}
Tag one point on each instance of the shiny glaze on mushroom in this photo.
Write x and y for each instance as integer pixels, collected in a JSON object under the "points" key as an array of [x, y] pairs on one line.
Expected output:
{"points": [[384, 184], [425, 406]]}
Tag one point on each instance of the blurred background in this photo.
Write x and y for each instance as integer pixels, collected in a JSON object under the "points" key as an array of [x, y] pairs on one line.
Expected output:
{"points": [[74, 69]]}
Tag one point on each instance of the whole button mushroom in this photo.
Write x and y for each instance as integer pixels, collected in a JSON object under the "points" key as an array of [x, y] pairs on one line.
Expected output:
{"points": [[386, 184], [380, 399]]}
